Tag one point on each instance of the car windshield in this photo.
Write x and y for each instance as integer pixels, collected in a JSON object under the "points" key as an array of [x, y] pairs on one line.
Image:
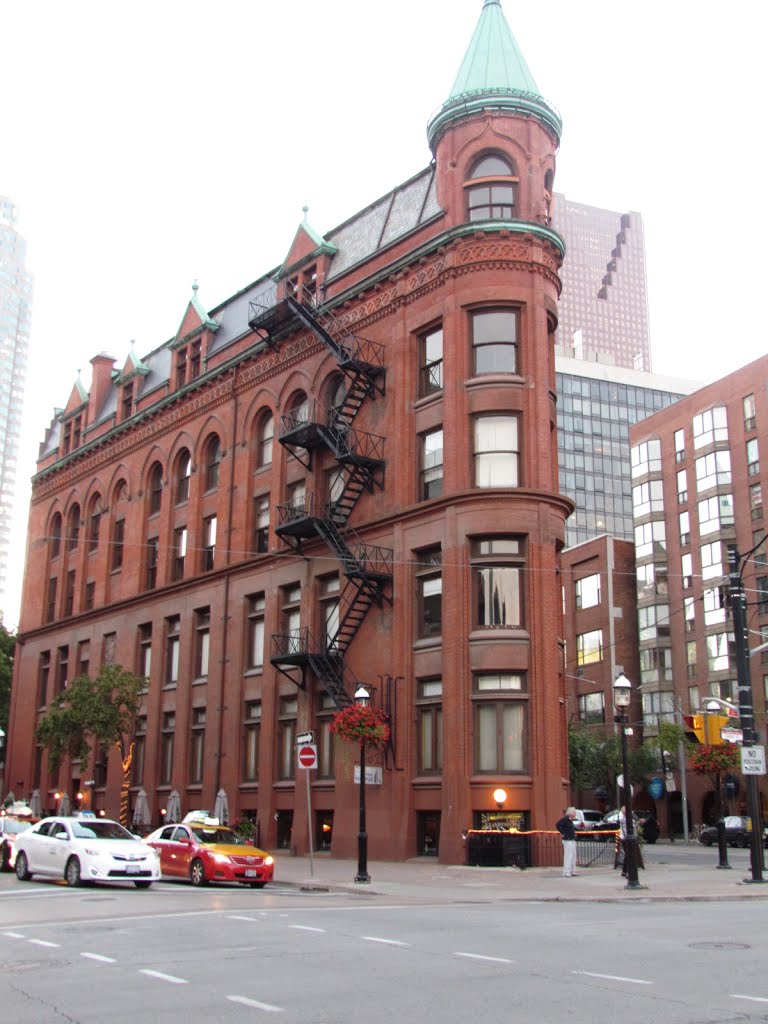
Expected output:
{"points": [[13, 827], [212, 834], [100, 830]]}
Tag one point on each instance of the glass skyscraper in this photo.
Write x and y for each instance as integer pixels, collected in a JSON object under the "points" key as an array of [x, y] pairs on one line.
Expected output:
{"points": [[15, 317]]}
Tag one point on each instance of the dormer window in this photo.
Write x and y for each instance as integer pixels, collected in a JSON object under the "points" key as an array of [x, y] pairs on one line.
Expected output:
{"points": [[492, 189], [127, 401], [181, 367], [195, 361]]}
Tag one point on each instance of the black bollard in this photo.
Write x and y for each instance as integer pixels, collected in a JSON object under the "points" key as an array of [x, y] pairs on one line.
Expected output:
{"points": [[722, 846]]}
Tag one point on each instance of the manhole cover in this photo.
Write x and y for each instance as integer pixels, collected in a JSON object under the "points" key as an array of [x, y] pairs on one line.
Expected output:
{"points": [[719, 945]]}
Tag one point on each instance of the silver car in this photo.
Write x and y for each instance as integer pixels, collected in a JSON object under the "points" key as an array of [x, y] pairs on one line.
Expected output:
{"points": [[83, 850]]}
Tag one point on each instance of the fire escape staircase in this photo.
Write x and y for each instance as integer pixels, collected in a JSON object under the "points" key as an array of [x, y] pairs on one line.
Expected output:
{"points": [[360, 455]]}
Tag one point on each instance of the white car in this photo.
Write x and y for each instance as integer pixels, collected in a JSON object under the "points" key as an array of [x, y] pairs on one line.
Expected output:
{"points": [[83, 850]]}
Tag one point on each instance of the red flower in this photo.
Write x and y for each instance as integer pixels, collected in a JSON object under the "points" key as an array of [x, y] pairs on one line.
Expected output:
{"points": [[709, 760], [361, 723]]}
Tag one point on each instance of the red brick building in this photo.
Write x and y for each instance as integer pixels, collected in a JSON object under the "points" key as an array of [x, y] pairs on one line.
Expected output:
{"points": [[346, 472]]}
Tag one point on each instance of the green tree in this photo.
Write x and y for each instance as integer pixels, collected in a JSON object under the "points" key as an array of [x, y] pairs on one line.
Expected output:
{"points": [[595, 759], [92, 713], [7, 648]]}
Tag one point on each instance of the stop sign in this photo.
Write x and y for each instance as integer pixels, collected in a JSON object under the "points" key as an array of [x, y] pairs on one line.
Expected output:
{"points": [[308, 755]]}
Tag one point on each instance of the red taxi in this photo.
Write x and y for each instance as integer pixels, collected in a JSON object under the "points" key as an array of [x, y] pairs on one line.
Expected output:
{"points": [[205, 851]]}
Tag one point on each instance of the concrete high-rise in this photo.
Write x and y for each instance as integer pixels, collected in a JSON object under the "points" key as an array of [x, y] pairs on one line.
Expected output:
{"points": [[15, 315], [603, 309]]}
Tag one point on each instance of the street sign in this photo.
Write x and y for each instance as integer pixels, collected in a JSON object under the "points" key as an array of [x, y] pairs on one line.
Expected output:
{"points": [[753, 760], [308, 756], [732, 735], [305, 737]]}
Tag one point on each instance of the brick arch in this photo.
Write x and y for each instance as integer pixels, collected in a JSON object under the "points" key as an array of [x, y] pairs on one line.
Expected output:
{"points": [[212, 425], [154, 454], [259, 404]]}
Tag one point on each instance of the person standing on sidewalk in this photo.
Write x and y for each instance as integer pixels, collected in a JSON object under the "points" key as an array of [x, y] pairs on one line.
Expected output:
{"points": [[567, 830]]}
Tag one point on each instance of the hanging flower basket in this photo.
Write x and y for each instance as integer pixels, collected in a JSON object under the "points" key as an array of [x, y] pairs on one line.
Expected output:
{"points": [[710, 760], [361, 724]]}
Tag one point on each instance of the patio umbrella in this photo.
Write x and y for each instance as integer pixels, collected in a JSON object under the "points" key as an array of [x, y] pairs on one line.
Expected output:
{"points": [[221, 808], [173, 808], [35, 805], [142, 819], [64, 805]]}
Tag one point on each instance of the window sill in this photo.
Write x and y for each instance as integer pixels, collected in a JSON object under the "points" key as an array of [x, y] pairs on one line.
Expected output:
{"points": [[426, 643]]}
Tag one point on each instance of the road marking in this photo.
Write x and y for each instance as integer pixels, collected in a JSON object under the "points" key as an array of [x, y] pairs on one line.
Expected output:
{"points": [[306, 928], [752, 999], [244, 1001], [14, 935], [98, 956], [479, 956], [42, 942], [386, 942], [613, 977], [242, 917], [164, 977]]}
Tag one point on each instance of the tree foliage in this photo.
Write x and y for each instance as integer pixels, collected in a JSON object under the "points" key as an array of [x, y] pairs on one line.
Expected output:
{"points": [[596, 760], [90, 713], [7, 648]]}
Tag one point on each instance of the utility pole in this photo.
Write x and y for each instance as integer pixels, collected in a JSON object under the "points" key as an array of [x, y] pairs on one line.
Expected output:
{"points": [[746, 706]]}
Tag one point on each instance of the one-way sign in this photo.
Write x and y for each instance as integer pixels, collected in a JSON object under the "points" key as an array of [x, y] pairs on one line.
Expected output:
{"points": [[305, 737]]}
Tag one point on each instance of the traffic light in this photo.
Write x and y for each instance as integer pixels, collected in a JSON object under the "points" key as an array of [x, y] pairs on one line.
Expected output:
{"points": [[705, 728]]}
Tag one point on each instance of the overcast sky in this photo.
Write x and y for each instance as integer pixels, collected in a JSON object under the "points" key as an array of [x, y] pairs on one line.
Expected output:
{"points": [[154, 143]]}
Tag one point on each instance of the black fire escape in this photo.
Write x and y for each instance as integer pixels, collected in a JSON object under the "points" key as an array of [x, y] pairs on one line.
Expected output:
{"points": [[360, 458]]}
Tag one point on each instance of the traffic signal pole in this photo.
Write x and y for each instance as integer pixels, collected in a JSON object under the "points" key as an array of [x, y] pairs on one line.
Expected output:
{"points": [[746, 708]]}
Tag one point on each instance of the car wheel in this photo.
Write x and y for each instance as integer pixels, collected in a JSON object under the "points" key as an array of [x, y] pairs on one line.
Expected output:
{"points": [[22, 871], [197, 873], [72, 872], [742, 842], [706, 841], [142, 885], [257, 885]]}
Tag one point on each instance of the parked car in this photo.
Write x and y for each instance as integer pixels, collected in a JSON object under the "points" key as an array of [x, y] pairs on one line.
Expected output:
{"points": [[205, 851], [84, 850], [586, 820], [10, 828], [738, 832]]}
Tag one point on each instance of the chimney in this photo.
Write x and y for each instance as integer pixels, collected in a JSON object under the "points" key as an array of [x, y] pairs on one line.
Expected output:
{"points": [[101, 382]]}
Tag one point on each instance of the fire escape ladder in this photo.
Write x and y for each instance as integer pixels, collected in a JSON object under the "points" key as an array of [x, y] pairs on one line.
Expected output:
{"points": [[356, 599], [330, 672]]}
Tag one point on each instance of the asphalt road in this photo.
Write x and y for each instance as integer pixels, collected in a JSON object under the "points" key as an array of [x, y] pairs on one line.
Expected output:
{"points": [[175, 954]]}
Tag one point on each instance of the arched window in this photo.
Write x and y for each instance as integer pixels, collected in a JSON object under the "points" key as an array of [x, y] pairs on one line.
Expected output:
{"points": [[73, 527], [266, 437], [155, 488], [337, 394], [492, 189], [94, 522], [183, 473], [55, 535], [212, 460], [299, 411]]}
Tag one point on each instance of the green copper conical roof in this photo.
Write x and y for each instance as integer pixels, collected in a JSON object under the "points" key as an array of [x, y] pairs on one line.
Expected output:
{"points": [[493, 74]]}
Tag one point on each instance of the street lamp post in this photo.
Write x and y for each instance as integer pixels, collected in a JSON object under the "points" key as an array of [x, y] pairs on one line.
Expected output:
{"points": [[622, 695], [363, 699]]}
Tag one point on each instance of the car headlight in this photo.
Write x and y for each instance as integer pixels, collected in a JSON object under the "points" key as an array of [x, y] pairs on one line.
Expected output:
{"points": [[220, 858], [269, 860]]}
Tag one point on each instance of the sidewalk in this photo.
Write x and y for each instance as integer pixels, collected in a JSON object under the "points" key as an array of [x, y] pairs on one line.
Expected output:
{"points": [[424, 880]]}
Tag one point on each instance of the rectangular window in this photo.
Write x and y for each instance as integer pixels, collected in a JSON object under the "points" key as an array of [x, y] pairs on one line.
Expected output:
{"points": [[682, 487], [209, 542], [588, 591], [715, 513], [686, 564], [690, 658], [647, 497], [254, 658], [50, 603], [330, 611], [152, 553], [496, 451], [748, 405], [179, 552], [139, 750], [90, 595], [195, 360], [713, 470], [679, 445], [172, 649], [429, 582], [118, 542], [291, 618], [83, 657], [202, 642], [720, 652], [762, 595], [652, 579], [197, 746], [43, 675], [756, 501], [432, 464], [693, 698], [494, 341], [62, 668], [710, 427], [127, 401], [500, 720], [181, 367], [711, 560], [431, 362], [261, 524], [592, 708], [658, 708], [144, 659], [94, 523], [646, 458], [497, 582], [714, 606], [650, 539], [289, 709], [653, 622], [429, 710], [251, 738], [589, 647], [109, 649], [326, 758], [753, 459], [684, 523], [166, 747], [69, 596]]}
